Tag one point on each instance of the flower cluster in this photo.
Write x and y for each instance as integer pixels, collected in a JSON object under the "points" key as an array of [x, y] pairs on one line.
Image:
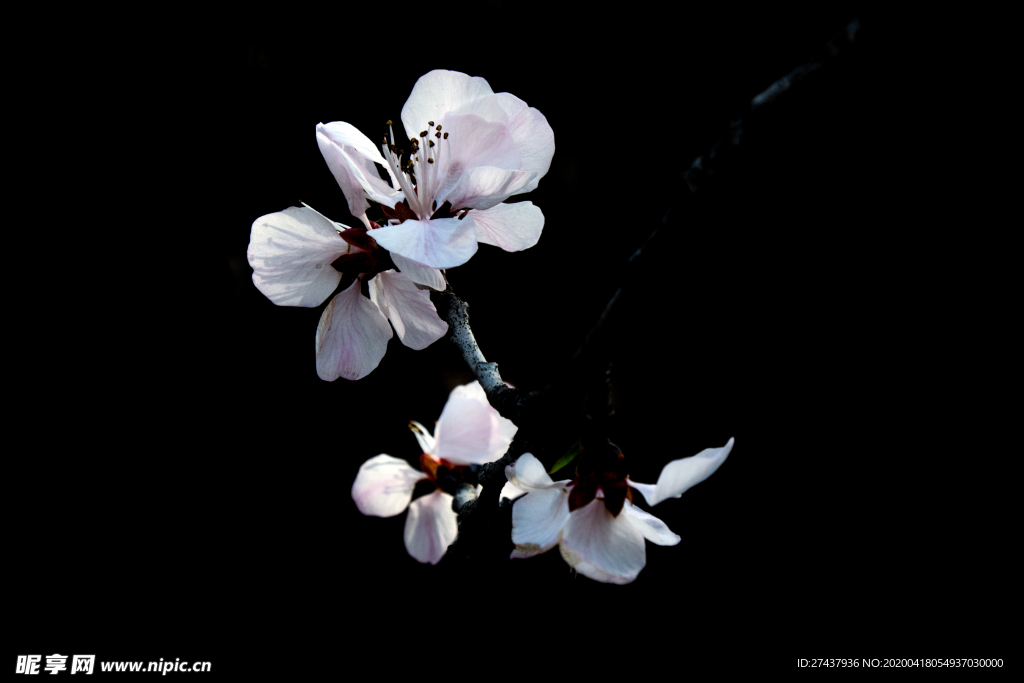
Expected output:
{"points": [[592, 519], [469, 432], [468, 150], [465, 151]]}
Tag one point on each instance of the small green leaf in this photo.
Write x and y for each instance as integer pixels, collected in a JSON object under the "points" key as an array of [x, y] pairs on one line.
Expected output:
{"points": [[567, 458]]}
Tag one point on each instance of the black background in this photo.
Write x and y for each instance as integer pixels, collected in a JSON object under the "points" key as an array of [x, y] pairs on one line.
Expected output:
{"points": [[819, 304]]}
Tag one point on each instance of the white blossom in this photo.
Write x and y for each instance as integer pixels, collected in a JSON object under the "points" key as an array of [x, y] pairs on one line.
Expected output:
{"points": [[596, 542]]}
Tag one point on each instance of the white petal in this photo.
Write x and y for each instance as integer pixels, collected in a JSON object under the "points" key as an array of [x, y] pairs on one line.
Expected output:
{"points": [[419, 273], [352, 336], [350, 155], [472, 142], [528, 473], [487, 186], [423, 437], [384, 486], [376, 289], [291, 254], [410, 310], [680, 475], [510, 491], [439, 243], [649, 491], [537, 519], [438, 93], [513, 227], [532, 136], [600, 546], [430, 527], [652, 528]]}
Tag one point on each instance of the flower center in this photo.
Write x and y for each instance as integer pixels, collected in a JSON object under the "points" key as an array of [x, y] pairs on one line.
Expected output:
{"points": [[448, 477], [417, 170]]}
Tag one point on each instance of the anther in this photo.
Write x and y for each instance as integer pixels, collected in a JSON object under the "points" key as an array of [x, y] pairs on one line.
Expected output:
{"points": [[439, 126], [446, 136], [430, 123], [431, 143], [438, 135], [430, 160], [423, 134], [388, 123]]}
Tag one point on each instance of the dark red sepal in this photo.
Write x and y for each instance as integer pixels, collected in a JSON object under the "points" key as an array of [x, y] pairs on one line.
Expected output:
{"points": [[357, 237], [616, 491], [400, 213], [359, 262], [582, 493]]}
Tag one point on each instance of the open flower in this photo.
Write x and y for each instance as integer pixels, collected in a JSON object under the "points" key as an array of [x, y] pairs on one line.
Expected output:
{"points": [[299, 258], [469, 432], [465, 151], [591, 518]]}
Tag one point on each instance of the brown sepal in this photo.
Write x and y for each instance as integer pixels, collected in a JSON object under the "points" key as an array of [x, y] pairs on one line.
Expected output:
{"points": [[429, 466]]}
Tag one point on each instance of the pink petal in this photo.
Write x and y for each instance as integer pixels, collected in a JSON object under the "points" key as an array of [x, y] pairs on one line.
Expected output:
{"points": [[469, 430], [352, 336], [439, 243], [502, 436], [419, 273], [600, 546], [652, 528], [513, 227], [472, 390], [409, 309], [537, 520], [438, 93], [350, 155], [679, 475], [472, 142], [384, 486], [430, 527], [487, 186], [291, 254], [532, 136]]}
